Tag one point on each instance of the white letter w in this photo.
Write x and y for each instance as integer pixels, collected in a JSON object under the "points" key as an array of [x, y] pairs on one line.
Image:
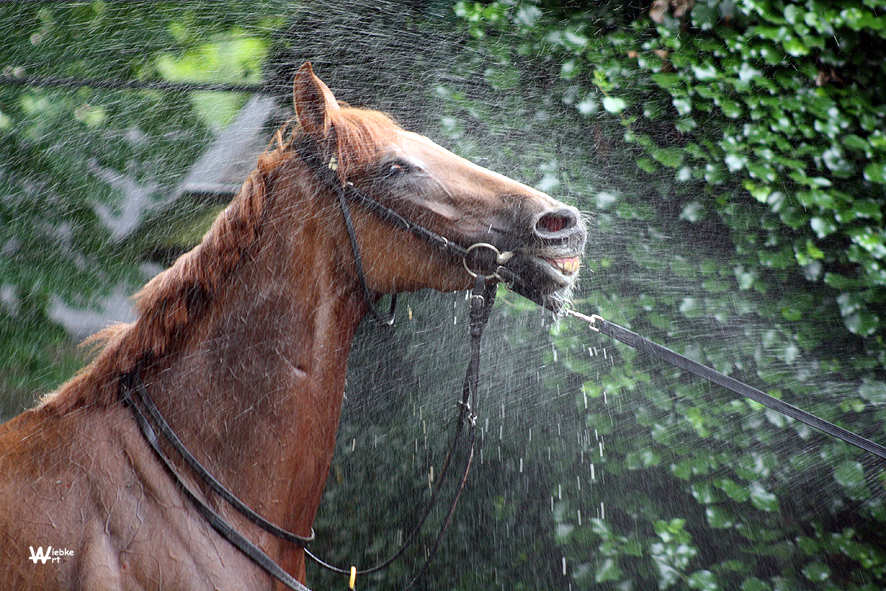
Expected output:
{"points": [[39, 554]]}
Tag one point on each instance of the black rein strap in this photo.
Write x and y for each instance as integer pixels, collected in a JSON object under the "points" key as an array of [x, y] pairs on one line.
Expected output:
{"points": [[634, 340], [132, 381], [482, 300]]}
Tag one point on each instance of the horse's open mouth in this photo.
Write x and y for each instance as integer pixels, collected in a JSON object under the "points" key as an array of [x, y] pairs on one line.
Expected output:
{"points": [[567, 266], [546, 280]]}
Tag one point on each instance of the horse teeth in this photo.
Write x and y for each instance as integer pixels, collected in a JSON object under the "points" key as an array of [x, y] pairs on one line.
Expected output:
{"points": [[567, 266]]}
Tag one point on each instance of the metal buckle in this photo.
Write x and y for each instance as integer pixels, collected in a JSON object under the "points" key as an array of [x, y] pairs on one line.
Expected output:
{"points": [[500, 258], [592, 320]]}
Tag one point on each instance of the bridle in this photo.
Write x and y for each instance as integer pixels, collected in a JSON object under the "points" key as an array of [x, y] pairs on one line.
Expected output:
{"points": [[135, 395], [346, 192]]}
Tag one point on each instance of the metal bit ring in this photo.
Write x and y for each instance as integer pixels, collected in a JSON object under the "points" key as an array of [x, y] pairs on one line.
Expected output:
{"points": [[500, 258]]}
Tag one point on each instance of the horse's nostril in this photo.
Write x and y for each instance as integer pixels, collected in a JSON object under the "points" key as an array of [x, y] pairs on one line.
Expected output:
{"points": [[556, 221]]}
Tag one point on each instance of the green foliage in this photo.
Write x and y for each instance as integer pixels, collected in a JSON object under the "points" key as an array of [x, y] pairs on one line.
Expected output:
{"points": [[732, 156], [739, 221], [781, 102], [79, 166]]}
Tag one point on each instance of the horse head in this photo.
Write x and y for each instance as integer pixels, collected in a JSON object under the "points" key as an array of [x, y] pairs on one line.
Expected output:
{"points": [[499, 223]]}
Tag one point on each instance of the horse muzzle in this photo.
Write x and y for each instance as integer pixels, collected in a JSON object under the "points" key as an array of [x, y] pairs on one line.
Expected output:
{"points": [[544, 266]]}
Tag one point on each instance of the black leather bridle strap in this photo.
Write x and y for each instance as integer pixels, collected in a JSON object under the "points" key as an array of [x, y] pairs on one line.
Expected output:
{"points": [[482, 300], [327, 172], [346, 192], [358, 259], [634, 340], [132, 381], [309, 152]]}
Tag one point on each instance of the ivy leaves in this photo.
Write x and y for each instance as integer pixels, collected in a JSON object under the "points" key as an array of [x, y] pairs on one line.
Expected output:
{"points": [[758, 125], [777, 103]]}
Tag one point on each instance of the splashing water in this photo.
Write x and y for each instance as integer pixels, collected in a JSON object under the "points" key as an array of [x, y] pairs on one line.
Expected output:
{"points": [[94, 198]]}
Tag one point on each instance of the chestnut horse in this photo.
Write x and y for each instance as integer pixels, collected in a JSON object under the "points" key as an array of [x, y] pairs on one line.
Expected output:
{"points": [[243, 344]]}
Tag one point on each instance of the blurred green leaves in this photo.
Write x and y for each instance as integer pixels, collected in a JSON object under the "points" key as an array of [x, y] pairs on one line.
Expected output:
{"points": [[746, 147], [79, 163], [803, 80]]}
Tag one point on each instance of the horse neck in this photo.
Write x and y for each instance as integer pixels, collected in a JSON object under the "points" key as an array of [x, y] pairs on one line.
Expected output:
{"points": [[256, 391]]}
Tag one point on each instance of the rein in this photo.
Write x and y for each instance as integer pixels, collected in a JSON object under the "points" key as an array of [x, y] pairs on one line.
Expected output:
{"points": [[132, 382], [482, 300], [132, 388]]}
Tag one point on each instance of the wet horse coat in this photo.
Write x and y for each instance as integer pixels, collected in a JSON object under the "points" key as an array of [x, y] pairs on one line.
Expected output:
{"points": [[243, 345]]}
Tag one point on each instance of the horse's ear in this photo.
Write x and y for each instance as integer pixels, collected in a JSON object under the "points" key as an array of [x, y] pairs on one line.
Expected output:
{"points": [[313, 103]]}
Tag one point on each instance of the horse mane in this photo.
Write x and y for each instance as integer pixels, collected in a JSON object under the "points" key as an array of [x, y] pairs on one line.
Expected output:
{"points": [[170, 303]]}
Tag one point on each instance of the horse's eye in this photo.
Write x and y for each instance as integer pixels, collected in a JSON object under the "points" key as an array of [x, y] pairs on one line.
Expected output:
{"points": [[396, 169]]}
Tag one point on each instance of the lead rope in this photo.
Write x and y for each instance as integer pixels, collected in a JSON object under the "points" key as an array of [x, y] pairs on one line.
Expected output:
{"points": [[632, 339]]}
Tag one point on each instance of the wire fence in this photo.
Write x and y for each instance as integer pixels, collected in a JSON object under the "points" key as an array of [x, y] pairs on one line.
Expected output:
{"points": [[120, 84]]}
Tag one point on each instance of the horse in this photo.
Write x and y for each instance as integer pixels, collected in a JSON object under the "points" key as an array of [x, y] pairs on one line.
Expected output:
{"points": [[243, 344]]}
